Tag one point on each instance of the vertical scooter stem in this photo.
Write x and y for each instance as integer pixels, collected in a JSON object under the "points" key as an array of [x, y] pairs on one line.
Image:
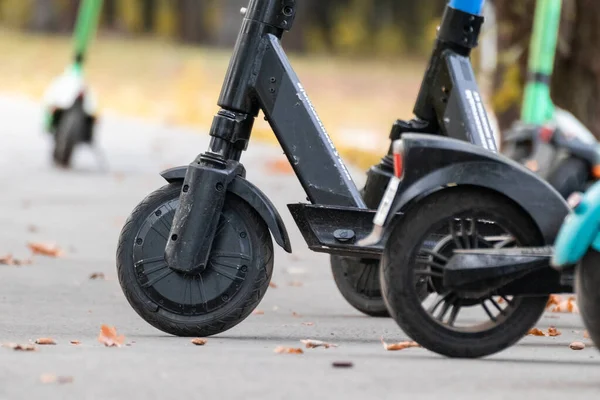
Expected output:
{"points": [[537, 105], [87, 23]]}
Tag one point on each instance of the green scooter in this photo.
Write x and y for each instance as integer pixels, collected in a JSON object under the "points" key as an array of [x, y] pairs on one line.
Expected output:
{"points": [[548, 140], [70, 106]]}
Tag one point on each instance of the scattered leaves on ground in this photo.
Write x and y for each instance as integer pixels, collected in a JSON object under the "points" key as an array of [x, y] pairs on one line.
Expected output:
{"points": [[199, 341], [97, 276], [552, 331], [10, 260], [51, 378], [288, 350], [45, 341], [536, 332], [108, 336], [296, 315], [20, 347], [311, 344], [553, 300], [295, 284], [281, 166], [273, 285], [75, 342], [44, 249], [558, 304], [342, 364], [577, 346], [399, 346], [308, 323], [258, 312]]}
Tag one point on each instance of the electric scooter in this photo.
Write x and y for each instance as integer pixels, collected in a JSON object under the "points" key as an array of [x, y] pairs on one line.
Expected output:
{"points": [[578, 244], [70, 106], [549, 140], [470, 228], [196, 256]]}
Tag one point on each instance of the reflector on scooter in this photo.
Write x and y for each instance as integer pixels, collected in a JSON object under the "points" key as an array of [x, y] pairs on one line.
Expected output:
{"points": [[546, 133], [398, 151]]}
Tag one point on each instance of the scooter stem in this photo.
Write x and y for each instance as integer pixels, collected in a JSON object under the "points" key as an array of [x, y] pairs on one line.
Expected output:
{"points": [[86, 26]]}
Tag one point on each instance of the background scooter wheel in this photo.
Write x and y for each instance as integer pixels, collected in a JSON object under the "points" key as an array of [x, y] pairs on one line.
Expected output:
{"points": [[194, 304], [587, 286], [571, 175], [464, 218], [358, 282], [69, 133]]}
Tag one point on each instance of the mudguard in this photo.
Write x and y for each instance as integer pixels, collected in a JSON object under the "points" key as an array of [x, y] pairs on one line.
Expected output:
{"points": [[253, 196], [432, 163], [579, 231]]}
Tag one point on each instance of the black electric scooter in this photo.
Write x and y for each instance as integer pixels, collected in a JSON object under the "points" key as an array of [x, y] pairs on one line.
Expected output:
{"points": [[470, 229], [196, 257]]}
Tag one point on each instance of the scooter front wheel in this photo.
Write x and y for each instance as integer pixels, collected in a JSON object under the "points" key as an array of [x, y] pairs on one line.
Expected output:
{"points": [[587, 286], [69, 132], [235, 280], [450, 322]]}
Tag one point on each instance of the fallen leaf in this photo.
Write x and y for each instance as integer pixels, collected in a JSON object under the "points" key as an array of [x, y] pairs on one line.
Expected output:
{"points": [[308, 323], [45, 341], [399, 346], [20, 347], [342, 364], [10, 260], [273, 285], [51, 378], [97, 275], [311, 344], [108, 336], [554, 300], [199, 341], [258, 312], [281, 166], [586, 334], [577, 346], [288, 350], [566, 306], [45, 249], [295, 284], [552, 331], [75, 342], [296, 315], [536, 332]]}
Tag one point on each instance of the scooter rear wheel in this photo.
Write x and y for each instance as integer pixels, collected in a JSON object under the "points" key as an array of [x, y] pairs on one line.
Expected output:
{"points": [[69, 133], [463, 218], [194, 304], [587, 286]]}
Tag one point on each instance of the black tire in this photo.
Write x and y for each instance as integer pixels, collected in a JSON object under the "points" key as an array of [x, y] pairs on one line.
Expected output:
{"points": [[571, 175], [358, 282], [220, 297], [407, 242], [69, 133], [587, 286]]}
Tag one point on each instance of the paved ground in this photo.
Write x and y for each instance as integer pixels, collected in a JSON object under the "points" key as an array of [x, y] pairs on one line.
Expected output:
{"points": [[83, 211]]}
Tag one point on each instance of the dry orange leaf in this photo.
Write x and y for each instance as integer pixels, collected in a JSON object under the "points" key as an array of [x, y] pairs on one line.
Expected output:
{"points": [[75, 342], [586, 334], [10, 260], [552, 331], [45, 341], [20, 347], [199, 341], [97, 275], [566, 306], [536, 332], [311, 344], [258, 312], [45, 249], [288, 350], [554, 300], [280, 167], [108, 336], [399, 346], [577, 346], [51, 378], [273, 285], [296, 315]]}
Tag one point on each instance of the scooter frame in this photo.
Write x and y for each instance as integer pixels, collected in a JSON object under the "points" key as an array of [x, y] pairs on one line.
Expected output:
{"points": [[260, 78]]}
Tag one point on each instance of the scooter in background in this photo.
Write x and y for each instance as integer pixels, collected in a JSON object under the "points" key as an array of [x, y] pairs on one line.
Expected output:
{"points": [[70, 106], [548, 140]]}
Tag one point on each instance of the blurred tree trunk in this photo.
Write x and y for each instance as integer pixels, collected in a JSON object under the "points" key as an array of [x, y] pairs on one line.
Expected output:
{"points": [[149, 11], [45, 17], [191, 20], [576, 79]]}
